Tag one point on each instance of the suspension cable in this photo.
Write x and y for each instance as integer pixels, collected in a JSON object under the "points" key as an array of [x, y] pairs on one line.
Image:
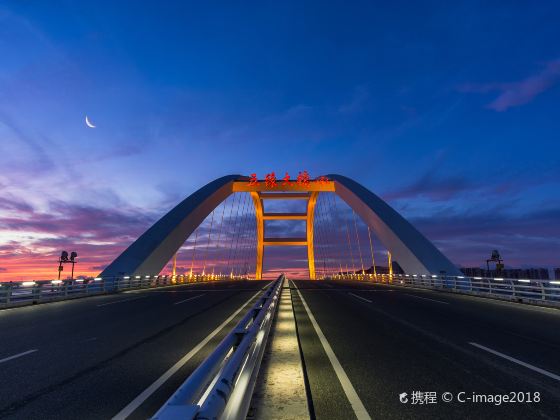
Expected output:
{"points": [[238, 235], [255, 243], [358, 240], [325, 234], [317, 234], [331, 234], [194, 252], [220, 233], [248, 240], [239, 217], [243, 245], [333, 214], [234, 266], [371, 250], [349, 246], [232, 238], [225, 239], [208, 243], [243, 242]]}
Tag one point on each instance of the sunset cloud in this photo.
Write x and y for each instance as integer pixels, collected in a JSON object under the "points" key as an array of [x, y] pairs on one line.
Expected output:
{"points": [[31, 240], [521, 92]]}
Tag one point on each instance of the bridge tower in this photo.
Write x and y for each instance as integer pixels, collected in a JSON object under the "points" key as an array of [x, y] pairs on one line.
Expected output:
{"points": [[307, 192], [308, 216]]}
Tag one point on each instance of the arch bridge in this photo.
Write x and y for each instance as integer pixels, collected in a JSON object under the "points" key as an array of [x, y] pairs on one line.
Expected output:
{"points": [[155, 248]]}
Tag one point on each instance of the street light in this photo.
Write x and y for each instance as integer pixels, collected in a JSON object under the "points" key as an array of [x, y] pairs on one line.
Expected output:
{"points": [[65, 260], [495, 257]]}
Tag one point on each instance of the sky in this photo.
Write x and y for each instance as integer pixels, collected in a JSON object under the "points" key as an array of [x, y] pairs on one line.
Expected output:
{"points": [[447, 110]]}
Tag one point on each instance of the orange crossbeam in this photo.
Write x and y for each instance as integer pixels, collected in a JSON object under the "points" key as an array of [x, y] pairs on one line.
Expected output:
{"points": [[284, 196], [285, 216], [243, 186], [285, 242]]}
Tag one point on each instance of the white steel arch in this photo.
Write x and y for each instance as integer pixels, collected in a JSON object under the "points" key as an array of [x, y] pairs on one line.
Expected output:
{"points": [[152, 250]]}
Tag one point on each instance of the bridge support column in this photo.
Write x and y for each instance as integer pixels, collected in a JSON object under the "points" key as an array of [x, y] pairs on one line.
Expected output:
{"points": [[309, 228], [259, 214]]}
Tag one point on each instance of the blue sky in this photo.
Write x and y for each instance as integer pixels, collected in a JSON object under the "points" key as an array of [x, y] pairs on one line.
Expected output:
{"points": [[448, 111]]}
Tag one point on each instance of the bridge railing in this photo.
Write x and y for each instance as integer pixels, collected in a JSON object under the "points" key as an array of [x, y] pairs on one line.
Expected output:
{"points": [[31, 292], [543, 292], [222, 385]]}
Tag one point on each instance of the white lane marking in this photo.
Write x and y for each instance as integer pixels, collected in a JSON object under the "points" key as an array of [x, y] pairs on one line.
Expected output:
{"points": [[359, 297], [519, 362], [388, 290], [198, 290], [347, 290], [357, 405], [15, 356], [425, 298], [186, 300], [121, 301], [178, 287], [139, 400]]}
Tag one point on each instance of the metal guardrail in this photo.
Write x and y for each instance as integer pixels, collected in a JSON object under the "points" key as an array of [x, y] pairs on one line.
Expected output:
{"points": [[542, 292], [31, 292], [222, 386]]}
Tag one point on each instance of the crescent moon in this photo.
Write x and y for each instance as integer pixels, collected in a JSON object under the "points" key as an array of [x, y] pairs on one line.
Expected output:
{"points": [[88, 123]]}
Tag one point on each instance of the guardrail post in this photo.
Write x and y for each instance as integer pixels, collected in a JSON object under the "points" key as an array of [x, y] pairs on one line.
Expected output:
{"points": [[9, 292], [512, 288], [543, 293], [36, 292]]}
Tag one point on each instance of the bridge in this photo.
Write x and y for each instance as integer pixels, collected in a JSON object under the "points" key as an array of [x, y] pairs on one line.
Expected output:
{"points": [[194, 320]]}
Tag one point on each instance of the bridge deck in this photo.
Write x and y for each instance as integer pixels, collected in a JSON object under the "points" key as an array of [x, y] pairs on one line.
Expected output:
{"points": [[391, 340], [96, 355], [93, 357]]}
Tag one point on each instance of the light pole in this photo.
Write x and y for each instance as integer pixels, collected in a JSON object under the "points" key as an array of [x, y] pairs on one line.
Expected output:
{"points": [[63, 259], [495, 257]]}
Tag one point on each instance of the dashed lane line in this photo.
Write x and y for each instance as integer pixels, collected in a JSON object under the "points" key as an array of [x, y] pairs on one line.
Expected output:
{"points": [[517, 361], [120, 301], [15, 356], [191, 298], [139, 400], [359, 297], [351, 394], [425, 298]]}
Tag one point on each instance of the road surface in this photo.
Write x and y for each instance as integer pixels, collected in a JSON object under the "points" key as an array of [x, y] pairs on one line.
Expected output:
{"points": [[363, 346], [390, 340], [90, 358]]}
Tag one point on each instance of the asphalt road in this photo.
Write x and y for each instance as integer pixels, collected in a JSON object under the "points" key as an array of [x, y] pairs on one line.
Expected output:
{"points": [[391, 340], [90, 358]]}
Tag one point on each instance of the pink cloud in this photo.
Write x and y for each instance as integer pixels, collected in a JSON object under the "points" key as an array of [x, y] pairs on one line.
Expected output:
{"points": [[98, 235], [521, 92]]}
